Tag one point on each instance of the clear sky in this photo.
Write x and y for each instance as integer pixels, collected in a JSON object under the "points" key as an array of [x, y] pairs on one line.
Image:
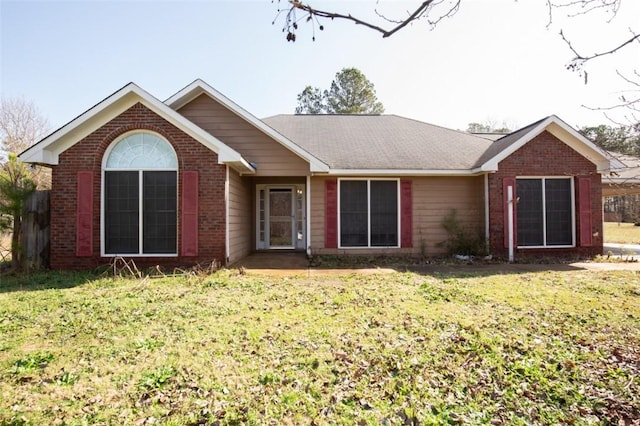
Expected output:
{"points": [[494, 60]]}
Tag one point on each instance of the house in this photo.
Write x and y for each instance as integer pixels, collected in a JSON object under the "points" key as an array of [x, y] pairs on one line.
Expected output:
{"points": [[621, 189], [197, 178]]}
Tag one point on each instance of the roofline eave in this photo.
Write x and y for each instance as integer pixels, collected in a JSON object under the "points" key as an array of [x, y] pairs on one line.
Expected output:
{"points": [[42, 157], [488, 167], [242, 166], [318, 167], [405, 172], [491, 166], [603, 167], [620, 181]]}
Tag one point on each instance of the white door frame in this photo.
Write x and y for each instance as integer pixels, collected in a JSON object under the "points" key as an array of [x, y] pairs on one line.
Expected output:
{"points": [[298, 216]]}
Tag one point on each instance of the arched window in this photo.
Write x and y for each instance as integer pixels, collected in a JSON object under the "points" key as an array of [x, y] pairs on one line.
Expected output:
{"points": [[140, 196]]}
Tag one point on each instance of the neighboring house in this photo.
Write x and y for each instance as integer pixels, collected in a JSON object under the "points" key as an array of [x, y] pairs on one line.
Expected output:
{"points": [[621, 189], [198, 178]]}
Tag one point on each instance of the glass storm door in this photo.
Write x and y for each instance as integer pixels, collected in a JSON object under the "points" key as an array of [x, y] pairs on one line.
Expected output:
{"points": [[281, 218]]}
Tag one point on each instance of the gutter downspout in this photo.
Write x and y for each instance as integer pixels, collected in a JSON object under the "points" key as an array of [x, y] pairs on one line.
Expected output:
{"points": [[226, 219], [486, 213], [510, 203], [308, 215]]}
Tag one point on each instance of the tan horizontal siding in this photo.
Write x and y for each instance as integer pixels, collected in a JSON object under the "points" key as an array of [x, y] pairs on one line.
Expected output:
{"points": [[433, 198], [271, 157], [239, 216], [317, 210]]}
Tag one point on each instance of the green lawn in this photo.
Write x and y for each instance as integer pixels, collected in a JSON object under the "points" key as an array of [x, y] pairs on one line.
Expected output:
{"points": [[624, 233], [402, 348]]}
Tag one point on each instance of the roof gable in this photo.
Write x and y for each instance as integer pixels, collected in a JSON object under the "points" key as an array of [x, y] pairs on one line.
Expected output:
{"points": [[47, 151], [199, 87], [507, 145]]}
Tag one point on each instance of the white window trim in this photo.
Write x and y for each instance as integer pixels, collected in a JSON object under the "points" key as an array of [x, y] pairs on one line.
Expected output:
{"points": [[544, 209], [104, 169], [398, 213]]}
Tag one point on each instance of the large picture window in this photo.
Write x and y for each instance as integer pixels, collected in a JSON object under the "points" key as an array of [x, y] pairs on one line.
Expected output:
{"points": [[368, 213], [140, 196], [545, 212]]}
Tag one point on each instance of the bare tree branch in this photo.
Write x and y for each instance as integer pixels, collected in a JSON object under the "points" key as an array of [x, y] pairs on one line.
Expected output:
{"points": [[428, 10], [629, 80], [311, 14], [424, 9], [587, 6], [585, 58], [452, 10], [22, 125], [575, 8], [385, 33], [628, 100], [623, 104]]}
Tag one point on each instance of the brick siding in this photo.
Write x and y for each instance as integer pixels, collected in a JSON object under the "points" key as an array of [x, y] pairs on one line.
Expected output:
{"points": [[87, 155], [546, 155]]}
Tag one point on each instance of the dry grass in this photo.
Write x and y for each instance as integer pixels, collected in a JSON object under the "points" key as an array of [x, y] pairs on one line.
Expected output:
{"points": [[401, 348], [622, 233]]}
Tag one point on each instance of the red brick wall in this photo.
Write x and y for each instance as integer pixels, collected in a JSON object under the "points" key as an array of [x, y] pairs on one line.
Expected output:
{"points": [[546, 155], [87, 155]]}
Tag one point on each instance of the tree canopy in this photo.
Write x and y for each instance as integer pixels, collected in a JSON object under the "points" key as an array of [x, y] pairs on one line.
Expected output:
{"points": [[621, 139], [350, 93], [21, 124], [16, 185], [488, 127]]}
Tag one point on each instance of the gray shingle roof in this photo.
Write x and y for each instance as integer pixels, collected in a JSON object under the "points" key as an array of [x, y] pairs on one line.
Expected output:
{"points": [[505, 142], [625, 169], [370, 142]]}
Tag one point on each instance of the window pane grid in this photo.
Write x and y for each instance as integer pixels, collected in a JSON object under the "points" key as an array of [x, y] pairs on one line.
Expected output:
{"points": [[354, 213], [544, 212], [384, 213], [160, 212], [142, 150], [530, 217], [558, 212], [368, 213], [140, 204], [121, 212]]}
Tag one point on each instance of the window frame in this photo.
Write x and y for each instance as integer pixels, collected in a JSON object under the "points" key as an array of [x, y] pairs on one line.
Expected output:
{"points": [[140, 172], [572, 194], [398, 213]]}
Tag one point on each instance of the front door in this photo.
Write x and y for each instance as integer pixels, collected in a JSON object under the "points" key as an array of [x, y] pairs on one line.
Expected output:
{"points": [[280, 217]]}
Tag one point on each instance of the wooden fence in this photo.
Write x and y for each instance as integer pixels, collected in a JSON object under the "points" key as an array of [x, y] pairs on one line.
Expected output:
{"points": [[35, 231]]}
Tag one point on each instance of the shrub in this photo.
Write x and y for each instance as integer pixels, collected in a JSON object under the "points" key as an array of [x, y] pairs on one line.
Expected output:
{"points": [[464, 240]]}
